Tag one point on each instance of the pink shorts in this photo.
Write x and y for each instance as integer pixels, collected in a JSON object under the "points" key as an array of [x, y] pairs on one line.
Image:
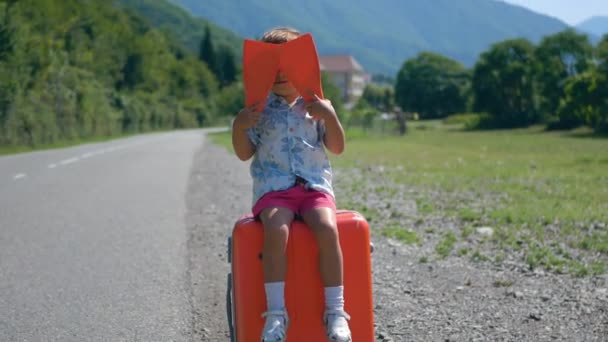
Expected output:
{"points": [[296, 198]]}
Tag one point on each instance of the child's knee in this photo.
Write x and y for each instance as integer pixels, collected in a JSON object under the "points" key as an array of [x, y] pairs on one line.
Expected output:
{"points": [[276, 236], [326, 230], [276, 230]]}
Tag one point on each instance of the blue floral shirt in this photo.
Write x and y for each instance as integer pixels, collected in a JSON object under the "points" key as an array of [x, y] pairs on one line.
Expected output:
{"points": [[289, 143]]}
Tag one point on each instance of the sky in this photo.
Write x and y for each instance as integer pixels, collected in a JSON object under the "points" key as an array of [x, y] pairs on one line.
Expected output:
{"points": [[570, 11]]}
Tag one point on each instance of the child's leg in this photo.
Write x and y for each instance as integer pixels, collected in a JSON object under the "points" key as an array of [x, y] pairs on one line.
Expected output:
{"points": [[323, 223], [276, 223]]}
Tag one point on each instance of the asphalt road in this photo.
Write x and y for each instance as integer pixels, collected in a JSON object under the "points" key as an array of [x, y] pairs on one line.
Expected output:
{"points": [[93, 241]]}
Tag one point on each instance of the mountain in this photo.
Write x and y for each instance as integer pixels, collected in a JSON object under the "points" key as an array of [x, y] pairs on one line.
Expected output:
{"points": [[382, 34], [179, 23], [594, 25]]}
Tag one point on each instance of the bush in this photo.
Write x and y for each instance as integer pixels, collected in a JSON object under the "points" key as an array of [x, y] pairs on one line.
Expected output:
{"points": [[483, 121], [230, 100], [473, 121], [555, 124], [355, 133], [462, 119], [585, 102]]}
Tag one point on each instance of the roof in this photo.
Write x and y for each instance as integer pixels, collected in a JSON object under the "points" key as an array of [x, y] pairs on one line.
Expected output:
{"points": [[339, 63]]}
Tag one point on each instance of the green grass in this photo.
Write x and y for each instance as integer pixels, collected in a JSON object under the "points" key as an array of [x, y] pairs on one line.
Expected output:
{"points": [[223, 139], [550, 175], [535, 178], [466, 231], [463, 251], [596, 242], [467, 214], [479, 256], [517, 181], [503, 283], [446, 245], [404, 235], [424, 206]]}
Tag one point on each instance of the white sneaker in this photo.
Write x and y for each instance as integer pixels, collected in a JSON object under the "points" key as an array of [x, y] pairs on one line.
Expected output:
{"points": [[276, 326], [337, 326]]}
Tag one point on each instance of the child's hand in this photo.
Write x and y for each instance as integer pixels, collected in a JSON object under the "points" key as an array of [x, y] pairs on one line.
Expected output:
{"points": [[320, 108], [247, 117]]}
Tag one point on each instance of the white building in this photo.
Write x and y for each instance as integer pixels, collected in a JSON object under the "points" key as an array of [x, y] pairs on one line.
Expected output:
{"points": [[347, 74]]}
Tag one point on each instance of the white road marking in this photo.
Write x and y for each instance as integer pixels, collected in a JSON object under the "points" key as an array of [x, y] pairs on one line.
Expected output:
{"points": [[90, 154], [94, 153], [69, 161]]}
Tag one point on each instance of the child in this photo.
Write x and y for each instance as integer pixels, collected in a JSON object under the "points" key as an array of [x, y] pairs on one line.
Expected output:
{"points": [[292, 176]]}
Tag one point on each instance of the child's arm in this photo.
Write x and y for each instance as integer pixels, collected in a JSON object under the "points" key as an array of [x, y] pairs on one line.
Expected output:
{"points": [[334, 133], [247, 118]]}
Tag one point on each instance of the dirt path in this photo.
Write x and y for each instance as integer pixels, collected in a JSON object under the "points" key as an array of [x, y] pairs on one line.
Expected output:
{"points": [[452, 299]]}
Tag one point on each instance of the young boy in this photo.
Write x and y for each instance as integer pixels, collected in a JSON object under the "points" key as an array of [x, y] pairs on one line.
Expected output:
{"points": [[292, 176]]}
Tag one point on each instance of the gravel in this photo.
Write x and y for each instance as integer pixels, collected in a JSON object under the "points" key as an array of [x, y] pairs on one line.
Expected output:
{"points": [[418, 295]]}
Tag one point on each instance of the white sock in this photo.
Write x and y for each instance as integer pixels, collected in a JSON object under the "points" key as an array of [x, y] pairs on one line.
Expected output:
{"points": [[334, 298], [275, 295]]}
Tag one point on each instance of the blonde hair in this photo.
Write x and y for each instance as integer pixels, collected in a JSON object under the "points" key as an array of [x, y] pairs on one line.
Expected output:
{"points": [[280, 35]]}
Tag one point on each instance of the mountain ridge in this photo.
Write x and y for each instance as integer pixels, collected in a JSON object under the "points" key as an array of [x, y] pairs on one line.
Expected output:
{"points": [[597, 25], [382, 35], [184, 27]]}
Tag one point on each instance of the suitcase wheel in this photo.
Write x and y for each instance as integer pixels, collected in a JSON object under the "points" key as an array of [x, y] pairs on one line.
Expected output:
{"points": [[229, 309], [229, 250]]}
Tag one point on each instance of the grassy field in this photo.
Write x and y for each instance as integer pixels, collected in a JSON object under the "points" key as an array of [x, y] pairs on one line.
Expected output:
{"points": [[545, 195]]}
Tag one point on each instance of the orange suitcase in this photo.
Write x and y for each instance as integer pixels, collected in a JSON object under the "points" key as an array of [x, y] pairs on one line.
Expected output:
{"points": [[304, 296]]}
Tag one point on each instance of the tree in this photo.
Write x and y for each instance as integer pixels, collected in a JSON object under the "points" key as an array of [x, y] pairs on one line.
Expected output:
{"points": [[379, 97], [602, 54], [383, 79], [503, 84], [431, 85], [132, 71], [207, 52], [585, 98], [227, 66], [332, 93], [599, 121], [389, 98], [76, 69], [230, 100], [6, 41], [8, 5], [585, 101], [559, 57]]}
